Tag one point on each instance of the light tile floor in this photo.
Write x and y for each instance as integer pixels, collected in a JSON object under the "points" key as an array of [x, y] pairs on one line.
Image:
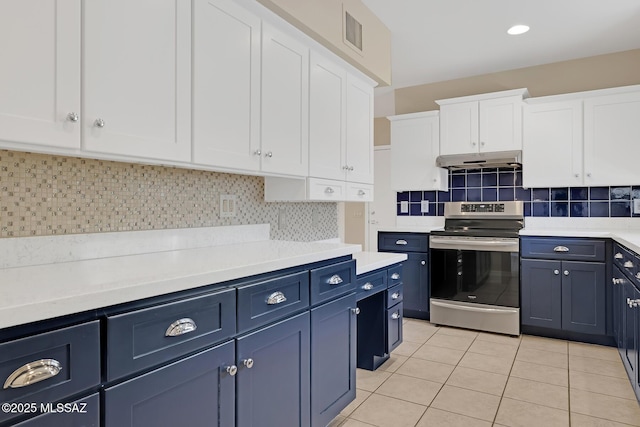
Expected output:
{"points": [[441, 376]]}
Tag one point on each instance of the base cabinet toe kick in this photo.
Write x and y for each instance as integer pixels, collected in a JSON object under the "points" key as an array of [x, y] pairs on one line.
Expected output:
{"points": [[277, 349]]}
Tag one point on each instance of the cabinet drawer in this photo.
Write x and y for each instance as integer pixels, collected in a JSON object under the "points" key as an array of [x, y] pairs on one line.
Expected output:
{"points": [[566, 249], [145, 338], [75, 350], [394, 295], [264, 302], [83, 412], [403, 242], [627, 261], [394, 327], [359, 192], [394, 275], [333, 280], [326, 189], [369, 284]]}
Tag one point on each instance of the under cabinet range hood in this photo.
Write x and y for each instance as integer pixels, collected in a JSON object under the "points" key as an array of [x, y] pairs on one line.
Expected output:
{"points": [[499, 159]]}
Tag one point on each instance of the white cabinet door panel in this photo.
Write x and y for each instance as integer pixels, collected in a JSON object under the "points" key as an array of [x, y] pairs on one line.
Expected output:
{"points": [[226, 85], [137, 78], [359, 131], [459, 128], [501, 124], [285, 103], [552, 145], [327, 139], [612, 139], [40, 72]]}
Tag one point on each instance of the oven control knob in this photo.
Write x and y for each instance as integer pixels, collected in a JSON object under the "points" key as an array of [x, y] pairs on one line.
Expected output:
{"points": [[556, 272], [423, 262]]}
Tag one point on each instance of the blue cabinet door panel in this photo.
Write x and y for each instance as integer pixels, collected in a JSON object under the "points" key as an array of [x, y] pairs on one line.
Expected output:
{"points": [[541, 293], [194, 392], [275, 391], [333, 359], [570, 249], [416, 283], [370, 283], [583, 297], [618, 305], [394, 327], [630, 319], [332, 281]]}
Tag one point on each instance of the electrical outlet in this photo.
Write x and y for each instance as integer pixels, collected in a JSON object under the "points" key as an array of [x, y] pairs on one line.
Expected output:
{"points": [[424, 206], [404, 207], [228, 205], [636, 206]]}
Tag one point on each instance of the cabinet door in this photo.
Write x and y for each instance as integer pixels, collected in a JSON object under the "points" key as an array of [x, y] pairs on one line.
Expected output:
{"points": [[459, 128], [394, 327], [359, 131], [415, 144], [618, 306], [501, 124], [583, 297], [552, 144], [137, 83], [327, 130], [541, 293], [416, 285], [196, 391], [273, 388], [631, 325], [611, 134], [40, 73], [333, 365], [226, 85], [285, 103]]}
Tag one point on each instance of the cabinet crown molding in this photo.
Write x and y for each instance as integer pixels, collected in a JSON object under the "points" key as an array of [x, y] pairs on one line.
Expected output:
{"points": [[483, 96]]}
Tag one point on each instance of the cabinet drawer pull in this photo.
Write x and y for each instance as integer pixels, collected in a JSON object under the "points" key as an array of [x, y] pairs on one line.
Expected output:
{"points": [[561, 249], [628, 264], [276, 298], [395, 316], [395, 295], [248, 363], [395, 276], [638, 275], [361, 193], [335, 280], [329, 190], [618, 256], [33, 372], [181, 327], [231, 370], [367, 286], [401, 242]]}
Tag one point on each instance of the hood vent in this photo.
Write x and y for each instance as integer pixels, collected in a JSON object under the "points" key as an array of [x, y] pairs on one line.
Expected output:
{"points": [[500, 159]]}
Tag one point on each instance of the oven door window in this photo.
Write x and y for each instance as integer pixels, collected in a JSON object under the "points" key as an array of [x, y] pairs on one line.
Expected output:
{"points": [[484, 277]]}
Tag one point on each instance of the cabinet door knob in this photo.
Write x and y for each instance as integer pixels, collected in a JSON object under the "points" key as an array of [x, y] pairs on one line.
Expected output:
{"points": [[566, 272], [423, 262], [231, 370], [556, 272], [248, 363], [269, 154], [351, 168], [473, 144], [257, 152], [99, 123], [482, 144], [328, 190], [72, 117], [345, 167], [577, 175], [588, 175], [355, 310]]}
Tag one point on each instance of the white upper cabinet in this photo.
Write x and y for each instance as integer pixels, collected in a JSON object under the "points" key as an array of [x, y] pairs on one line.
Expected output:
{"points": [[612, 139], [226, 85], [482, 123], [137, 78], [40, 72], [327, 118], [285, 103], [414, 148], [552, 144], [359, 164]]}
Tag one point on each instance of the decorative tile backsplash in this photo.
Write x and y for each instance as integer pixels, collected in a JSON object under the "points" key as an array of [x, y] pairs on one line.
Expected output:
{"points": [[504, 184], [45, 195]]}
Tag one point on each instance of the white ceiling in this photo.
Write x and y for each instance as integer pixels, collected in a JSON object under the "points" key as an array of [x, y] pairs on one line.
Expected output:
{"points": [[437, 40]]}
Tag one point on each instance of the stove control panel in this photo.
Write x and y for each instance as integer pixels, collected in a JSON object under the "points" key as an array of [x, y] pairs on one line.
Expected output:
{"points": [[481, 207]]}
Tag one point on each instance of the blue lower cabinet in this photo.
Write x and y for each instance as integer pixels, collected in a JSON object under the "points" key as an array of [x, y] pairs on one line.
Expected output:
{"points": [[541, 293], [394, 327], [83, 412], [618, 305], [333, 358], [273, 377], [631, 335], [415, 273], [197, 391], [584, 297]]}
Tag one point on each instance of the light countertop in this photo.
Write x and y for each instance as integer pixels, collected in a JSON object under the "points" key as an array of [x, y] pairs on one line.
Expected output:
{"points": [[628, 238], [369, 261], [37, 292]]}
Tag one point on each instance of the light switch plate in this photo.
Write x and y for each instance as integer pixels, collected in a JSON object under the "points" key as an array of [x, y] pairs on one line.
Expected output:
{"points": [[404, 207], [424, 206], [228, 205], [636, 206]]}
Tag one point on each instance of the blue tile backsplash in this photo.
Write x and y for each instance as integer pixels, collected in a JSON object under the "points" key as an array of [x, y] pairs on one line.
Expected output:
{"points": [[504, 184]]}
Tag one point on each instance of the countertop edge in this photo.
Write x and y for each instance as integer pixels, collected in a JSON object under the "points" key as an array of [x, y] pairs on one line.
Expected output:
{"points": [[370, 261]]}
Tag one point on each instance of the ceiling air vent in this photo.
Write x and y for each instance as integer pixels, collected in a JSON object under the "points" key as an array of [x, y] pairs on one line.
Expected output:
{"points": [[352, 32]]}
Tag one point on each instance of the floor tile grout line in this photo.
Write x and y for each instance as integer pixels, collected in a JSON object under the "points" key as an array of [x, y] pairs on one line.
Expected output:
{"points": [[495, 417]]}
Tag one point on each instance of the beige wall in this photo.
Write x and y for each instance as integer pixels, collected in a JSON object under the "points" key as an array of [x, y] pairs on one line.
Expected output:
{"points": [[596, 72], [354, 223], [381, 131], [323, 20]]}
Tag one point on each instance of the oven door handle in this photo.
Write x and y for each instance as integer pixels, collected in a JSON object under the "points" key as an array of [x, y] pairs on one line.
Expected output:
{"points": [[475, 245], [484, 309]]}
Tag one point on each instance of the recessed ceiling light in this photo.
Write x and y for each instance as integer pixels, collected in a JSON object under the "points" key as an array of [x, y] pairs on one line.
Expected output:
{"points": [[518, 29]]}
